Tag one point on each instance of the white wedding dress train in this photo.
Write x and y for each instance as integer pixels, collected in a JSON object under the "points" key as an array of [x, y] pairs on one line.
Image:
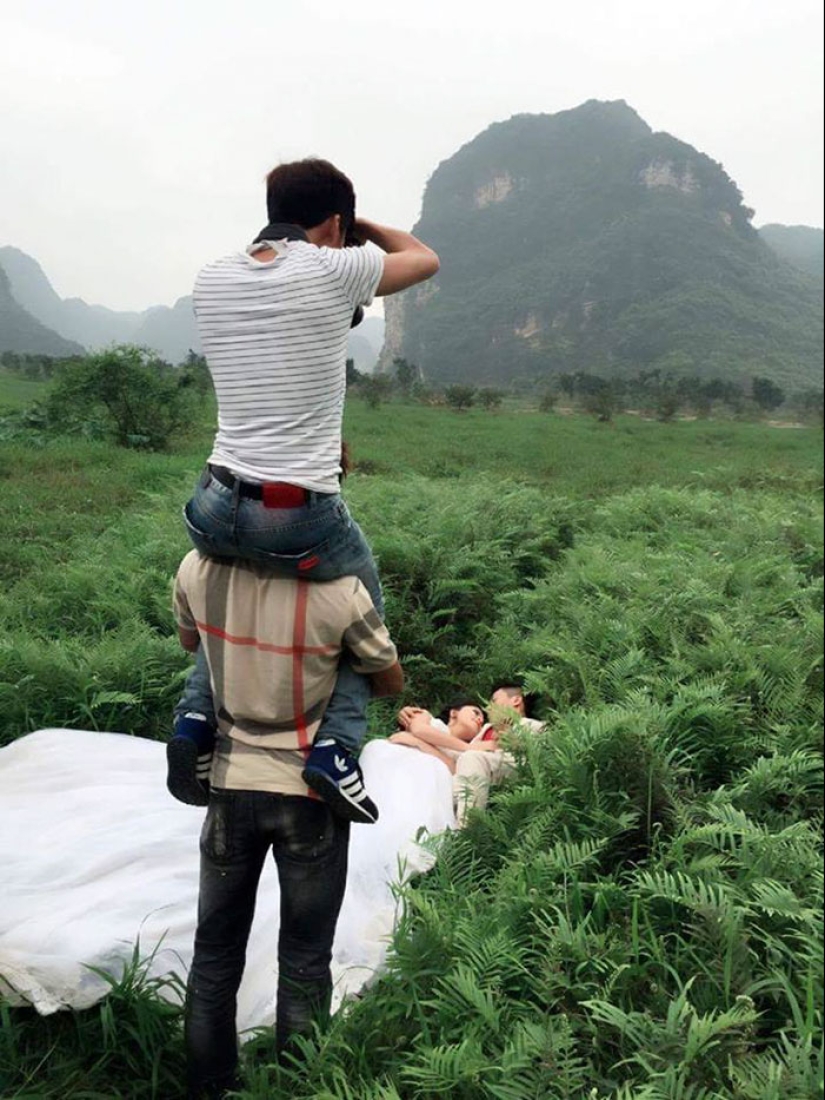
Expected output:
{"points": [[96, 856]]}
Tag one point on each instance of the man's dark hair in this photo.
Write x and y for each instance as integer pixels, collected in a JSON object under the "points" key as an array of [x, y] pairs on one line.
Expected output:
{"points": [[514, 688], [444, 715], [307, 192]]}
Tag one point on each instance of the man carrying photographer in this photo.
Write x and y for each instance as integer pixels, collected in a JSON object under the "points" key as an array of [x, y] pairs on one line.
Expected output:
{"points": [[273, 322], [272, 646]]}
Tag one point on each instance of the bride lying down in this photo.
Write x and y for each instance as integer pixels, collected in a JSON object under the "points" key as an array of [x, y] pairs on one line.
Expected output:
{"points": [[97, 856], [469, 747]]}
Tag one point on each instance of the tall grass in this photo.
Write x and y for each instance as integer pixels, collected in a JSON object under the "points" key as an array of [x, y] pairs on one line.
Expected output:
{"points": [[130, 1045], [638, 915]]}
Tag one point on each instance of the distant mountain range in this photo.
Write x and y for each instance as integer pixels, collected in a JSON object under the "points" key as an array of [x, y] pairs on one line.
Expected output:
{"points": [[168, 331], [34, 318], [22, 332], [800, 245], [584, 241]]}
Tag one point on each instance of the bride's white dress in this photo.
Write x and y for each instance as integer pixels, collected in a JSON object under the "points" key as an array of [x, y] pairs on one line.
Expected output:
{"points": [[96, 856]]}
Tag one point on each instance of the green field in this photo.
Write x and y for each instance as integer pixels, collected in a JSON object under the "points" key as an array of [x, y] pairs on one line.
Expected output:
{"points": [[578, 456], [638, 916], [17, 392]]}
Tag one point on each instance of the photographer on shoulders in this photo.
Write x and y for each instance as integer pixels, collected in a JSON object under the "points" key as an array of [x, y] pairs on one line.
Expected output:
{"points": [[273, 322]]}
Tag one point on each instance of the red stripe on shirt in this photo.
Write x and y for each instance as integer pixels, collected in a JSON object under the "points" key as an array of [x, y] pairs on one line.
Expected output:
{"points": [[267, 647]]}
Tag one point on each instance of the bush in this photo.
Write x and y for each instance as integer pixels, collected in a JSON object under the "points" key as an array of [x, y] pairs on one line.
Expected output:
{"points": [[767, 394], [460, 397], [811, 405], [120, 394], [490, 399], [603, 403], [667, 405], [375, 388], [406, 375], [547, 401]]}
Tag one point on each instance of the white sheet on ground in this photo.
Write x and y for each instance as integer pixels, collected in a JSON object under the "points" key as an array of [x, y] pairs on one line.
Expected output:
{"points": [[95, 854]]}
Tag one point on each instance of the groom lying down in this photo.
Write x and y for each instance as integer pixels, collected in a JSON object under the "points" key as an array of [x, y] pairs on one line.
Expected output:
{"points": [[462, 739]]}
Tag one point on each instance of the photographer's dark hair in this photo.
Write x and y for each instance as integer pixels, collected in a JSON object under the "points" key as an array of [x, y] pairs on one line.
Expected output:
{"points": [[307, 192]]}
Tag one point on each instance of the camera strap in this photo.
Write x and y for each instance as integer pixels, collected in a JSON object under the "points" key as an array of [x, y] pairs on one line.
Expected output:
{"points": [[281, 231], [286, 231]]}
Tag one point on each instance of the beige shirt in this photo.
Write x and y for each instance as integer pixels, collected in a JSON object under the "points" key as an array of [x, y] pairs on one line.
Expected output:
{"points": [[273, 646]]}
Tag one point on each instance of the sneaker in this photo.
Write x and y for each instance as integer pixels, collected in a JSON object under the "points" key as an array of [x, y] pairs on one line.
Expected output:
{"points": [[189, 759], [333, 772]]}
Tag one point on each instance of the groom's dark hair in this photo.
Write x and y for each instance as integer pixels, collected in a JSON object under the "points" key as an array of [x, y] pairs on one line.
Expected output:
{"points": [[514, 688]]}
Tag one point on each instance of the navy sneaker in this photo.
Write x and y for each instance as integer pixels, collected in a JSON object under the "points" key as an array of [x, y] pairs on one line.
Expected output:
{"points": [[189, 759], [333, 772]]}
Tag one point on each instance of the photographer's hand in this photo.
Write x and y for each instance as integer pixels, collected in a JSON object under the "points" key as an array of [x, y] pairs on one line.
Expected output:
{"points": [[408, 260]]}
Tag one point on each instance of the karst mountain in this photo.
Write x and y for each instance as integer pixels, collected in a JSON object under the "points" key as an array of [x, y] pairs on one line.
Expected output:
{"points": [[585, 241]]}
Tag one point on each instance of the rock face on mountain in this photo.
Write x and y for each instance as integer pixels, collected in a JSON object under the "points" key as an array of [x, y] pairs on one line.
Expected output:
{"points": [[365, 343], [585, 241], [21, 332], [800, 245]]}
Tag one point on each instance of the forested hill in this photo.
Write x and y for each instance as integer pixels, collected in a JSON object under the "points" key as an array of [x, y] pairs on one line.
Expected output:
{"points": [[21, 332], [585, 241], [800, 245]]}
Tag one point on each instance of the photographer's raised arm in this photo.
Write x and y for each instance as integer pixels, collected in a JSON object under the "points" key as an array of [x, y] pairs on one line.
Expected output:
{"points": [[408, 261]]}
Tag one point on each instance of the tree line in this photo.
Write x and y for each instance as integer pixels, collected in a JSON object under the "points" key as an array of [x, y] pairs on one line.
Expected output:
{"points": [[654, 391], [129, 396]]}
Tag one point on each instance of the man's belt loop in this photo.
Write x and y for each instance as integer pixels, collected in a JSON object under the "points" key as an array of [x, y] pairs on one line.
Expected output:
{"points": [[236, 496]]}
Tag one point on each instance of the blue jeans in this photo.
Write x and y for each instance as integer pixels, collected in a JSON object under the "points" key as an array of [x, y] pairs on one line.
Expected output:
{"points": [[223, 524], [310, 846]]}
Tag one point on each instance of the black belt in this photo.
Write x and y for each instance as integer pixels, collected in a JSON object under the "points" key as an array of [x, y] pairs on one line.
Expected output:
{"points": [[274, 494]]}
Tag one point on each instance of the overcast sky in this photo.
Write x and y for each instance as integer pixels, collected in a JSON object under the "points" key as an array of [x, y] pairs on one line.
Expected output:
{"points": [[134, 137]]}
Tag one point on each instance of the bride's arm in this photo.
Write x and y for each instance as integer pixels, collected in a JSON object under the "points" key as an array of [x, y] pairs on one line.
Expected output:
{"points": [[420, 727]]}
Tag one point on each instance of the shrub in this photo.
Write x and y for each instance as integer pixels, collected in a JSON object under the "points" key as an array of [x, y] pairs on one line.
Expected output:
{"points": [[603, 404], [460, 397], [767, 394], [406, 375], [667, 405], [490, 399], [547, 401], [120, 394], [375, 388]]}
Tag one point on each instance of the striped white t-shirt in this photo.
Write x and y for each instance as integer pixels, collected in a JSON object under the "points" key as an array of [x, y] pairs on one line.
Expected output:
{"points": [[274, 334]]}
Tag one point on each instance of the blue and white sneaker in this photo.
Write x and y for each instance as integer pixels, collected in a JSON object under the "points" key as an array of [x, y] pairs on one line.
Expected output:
{"points": [[189, 759], [333, 773]]}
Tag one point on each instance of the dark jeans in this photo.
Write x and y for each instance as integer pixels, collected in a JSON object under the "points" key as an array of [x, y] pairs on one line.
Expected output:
{"points": [[224, 525], [310, 847]]}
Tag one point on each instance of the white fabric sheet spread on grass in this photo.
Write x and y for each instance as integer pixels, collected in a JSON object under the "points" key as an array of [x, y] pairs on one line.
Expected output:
{"points": [[96, 855]]}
